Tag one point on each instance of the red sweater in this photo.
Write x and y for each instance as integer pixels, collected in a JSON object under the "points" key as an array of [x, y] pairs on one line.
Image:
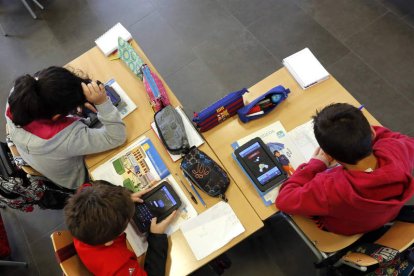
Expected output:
{"points": [[349, 202], [115, 259]]}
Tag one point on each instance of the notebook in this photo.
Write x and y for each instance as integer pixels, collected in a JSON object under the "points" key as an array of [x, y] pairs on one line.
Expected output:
{"points": [[108, 42], [305, 68]]}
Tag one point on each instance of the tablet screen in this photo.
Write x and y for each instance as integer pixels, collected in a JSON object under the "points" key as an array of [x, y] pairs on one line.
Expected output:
{"points": [[160, 202], [259, 163]]}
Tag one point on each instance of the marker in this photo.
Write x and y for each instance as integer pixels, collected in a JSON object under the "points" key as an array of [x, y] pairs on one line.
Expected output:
{"points": [[188, 191], [195, 191], [361, 107]]}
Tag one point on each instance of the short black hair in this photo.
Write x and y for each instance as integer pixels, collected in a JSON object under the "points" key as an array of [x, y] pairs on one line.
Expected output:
{"points": [[99, 213], [343, 132], [51, 91]]}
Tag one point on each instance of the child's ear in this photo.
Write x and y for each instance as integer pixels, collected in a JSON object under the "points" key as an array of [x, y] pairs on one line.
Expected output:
{"points": [[373, 133], [109, 243]]}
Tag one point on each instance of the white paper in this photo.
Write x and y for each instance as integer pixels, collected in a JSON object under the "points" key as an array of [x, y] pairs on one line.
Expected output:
{"points": [[194, 138], [212, 229], [304, 138], [126, 106]]}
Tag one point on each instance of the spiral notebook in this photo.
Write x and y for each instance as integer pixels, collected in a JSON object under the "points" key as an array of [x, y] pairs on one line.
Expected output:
{"points": [[108, 42]]}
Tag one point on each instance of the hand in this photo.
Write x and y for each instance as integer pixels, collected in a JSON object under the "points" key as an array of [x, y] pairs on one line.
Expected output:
{"points": [[321, 155], [136, 197], [159, 228], [94, 94]]}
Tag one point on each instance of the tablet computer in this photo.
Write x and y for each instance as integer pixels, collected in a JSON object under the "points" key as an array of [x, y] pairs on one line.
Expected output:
{"points": [[160, 202], [259, 163]]}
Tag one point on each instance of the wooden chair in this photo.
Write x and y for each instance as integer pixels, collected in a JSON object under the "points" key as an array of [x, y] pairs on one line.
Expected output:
{"points": [[66, 255], [325, 244]]}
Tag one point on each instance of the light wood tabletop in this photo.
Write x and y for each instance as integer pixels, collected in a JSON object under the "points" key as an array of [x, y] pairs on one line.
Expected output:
{"points": [[297, 109], [181, 260], [98, 67]]}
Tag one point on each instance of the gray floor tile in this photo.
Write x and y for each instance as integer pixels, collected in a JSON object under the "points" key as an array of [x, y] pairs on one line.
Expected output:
{"points": [[343, 18], [290, 29], [236, 57], [386, 46], [247, 11], [196, 87], [166, 50], [20, 251], [398, 7], [388, 107], [194, 20], [39, 222]]}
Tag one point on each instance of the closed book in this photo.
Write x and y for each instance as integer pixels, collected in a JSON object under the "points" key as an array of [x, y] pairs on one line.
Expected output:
{"points": [[108, 42]]}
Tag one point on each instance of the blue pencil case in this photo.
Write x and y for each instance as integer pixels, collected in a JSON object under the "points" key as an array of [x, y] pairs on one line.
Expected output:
{"points": [[262, 105]]}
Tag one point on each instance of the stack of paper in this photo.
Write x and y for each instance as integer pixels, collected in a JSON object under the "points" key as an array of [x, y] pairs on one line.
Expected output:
{"points": [[108, 42], [212, 229], [305, 68]]}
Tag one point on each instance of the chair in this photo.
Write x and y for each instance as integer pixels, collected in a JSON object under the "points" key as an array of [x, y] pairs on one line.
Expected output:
{"points": [[66, 255], [326, 244], [4, 244], [30, 9]]}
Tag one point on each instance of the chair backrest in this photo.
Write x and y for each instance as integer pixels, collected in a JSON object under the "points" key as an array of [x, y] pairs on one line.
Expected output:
{"points": [[324, 241], [66, 255], [400, 236]]}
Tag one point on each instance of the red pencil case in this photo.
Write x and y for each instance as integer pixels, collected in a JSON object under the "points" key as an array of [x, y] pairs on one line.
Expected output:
{"points": [[219, 111]]}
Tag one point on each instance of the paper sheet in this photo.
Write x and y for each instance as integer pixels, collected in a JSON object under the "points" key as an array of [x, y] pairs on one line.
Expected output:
{"points": [[212, 229], [305, 140]]}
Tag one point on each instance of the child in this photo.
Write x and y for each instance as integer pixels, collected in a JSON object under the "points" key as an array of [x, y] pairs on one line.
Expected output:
{"points": [[49, 140], [287, 167], [97, 216], [370, 186]]}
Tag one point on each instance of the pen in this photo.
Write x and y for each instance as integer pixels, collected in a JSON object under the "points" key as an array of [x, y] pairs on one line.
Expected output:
{"points": [[195, 191], [188, 191]]}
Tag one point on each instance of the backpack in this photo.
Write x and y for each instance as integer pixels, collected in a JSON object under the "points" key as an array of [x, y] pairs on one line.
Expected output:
{"points": [[21, 191]]}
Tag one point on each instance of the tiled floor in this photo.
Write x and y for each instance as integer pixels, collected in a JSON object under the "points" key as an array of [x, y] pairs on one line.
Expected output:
{"points": [[204, 49]]}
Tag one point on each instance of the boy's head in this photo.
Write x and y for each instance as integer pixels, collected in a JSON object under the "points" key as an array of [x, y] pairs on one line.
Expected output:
{"points": [[343, 132], [99, 213], [276, 153]]}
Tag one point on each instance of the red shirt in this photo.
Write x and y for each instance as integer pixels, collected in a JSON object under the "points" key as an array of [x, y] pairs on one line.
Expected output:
{"points": [[349, 202], [115, 259]]}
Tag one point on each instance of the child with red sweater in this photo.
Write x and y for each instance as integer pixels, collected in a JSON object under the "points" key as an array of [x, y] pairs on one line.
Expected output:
{"points": [[368, 187], [97, 216]]}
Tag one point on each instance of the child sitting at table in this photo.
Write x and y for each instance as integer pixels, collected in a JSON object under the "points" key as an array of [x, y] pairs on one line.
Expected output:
{"points": [[47, 137], [359, 178], [97, 216]]}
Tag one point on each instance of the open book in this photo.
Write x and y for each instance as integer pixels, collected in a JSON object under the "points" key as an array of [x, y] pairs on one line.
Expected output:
{"points": [[137, 168], [291, 152]]}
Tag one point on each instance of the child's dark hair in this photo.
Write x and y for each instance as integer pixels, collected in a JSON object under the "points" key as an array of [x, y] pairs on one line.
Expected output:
{"points": [[99, 213], [54, 90], [343, 132]]}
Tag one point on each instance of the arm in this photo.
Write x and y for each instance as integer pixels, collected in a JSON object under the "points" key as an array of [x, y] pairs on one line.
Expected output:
{"points": [[156, 256], [303, 193]]}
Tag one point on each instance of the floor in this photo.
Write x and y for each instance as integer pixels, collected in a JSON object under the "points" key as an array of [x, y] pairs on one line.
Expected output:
{"points": [[205, 49]]}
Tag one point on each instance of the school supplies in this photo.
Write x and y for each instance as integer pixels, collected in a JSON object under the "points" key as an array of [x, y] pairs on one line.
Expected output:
{"points": [[219, 111], [108, 42], [195, 191], [305, 68], [263, 104], [211, 230], [188, 191]]}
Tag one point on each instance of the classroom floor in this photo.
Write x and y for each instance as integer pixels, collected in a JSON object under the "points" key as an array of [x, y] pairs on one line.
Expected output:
{"points": [[205, 49]]}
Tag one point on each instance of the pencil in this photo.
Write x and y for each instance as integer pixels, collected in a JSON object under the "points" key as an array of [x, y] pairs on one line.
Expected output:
{"points": [[195, 191], [188, 191]]}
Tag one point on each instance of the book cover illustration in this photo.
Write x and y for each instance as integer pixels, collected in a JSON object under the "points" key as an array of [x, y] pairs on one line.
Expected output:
{"points": [[136, 168]]}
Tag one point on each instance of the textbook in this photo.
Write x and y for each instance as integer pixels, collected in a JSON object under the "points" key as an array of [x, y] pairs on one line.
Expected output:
{"points": [[280, 141], [108, 42], [194, 138], [305, 68], [138, 167]]}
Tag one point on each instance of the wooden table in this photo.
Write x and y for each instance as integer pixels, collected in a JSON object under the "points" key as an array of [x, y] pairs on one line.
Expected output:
{"points": [[181, 260], [98, 67], [296, 110]]}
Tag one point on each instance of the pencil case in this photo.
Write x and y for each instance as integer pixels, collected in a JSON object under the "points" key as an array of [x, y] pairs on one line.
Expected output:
{"points": [[219, 111], [264, 104]]}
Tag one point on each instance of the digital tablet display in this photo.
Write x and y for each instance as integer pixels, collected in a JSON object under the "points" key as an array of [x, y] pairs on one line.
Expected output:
{"points": [[259, 163], [160, 202]]}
